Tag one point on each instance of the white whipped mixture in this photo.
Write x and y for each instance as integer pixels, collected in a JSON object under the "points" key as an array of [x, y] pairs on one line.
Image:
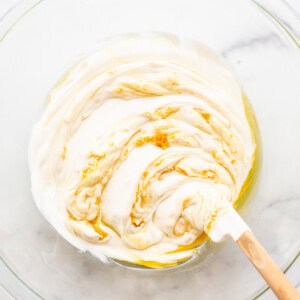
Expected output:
{"points": [[141, 143]]}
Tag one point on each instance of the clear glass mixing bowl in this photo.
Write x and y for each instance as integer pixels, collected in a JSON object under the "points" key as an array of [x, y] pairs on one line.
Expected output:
{"points": [[43, 38]]}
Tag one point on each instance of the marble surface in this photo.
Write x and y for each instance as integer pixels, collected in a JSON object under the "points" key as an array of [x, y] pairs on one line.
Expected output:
{"points": [[288, 12]]}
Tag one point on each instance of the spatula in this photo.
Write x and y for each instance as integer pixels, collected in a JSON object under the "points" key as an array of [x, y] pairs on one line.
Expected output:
{"points": [[233, 226]]}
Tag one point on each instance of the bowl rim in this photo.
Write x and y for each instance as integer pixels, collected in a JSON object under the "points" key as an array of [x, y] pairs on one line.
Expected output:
{"points": [[19, 10]]}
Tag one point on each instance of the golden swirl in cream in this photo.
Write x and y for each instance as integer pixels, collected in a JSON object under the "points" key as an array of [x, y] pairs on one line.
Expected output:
{"points": [[142, 143]]}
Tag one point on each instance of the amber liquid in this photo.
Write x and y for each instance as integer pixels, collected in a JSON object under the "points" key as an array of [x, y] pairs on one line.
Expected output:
{"points": [[249, 183]]}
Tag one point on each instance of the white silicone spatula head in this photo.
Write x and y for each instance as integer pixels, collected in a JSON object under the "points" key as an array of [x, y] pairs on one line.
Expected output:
{"points": [[229, 225]]}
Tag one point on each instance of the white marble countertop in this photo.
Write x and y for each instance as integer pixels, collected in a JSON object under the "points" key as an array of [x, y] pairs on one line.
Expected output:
{"points": [[288, 11]]}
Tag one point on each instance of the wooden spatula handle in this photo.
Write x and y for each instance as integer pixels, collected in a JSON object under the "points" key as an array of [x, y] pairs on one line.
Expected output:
{"points": [[264, 264]]}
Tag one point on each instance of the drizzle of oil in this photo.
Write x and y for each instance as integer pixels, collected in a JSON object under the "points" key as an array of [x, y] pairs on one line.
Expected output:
{"points": [[249, 185], [151, 264], [155, 264], [200, 240]]}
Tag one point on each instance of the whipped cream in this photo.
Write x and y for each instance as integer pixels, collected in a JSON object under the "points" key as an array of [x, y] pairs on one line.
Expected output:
{"points": [[142, 143]]}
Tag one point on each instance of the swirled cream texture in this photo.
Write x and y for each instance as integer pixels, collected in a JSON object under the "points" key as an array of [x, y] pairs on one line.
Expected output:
{"points": [[142, 143]]}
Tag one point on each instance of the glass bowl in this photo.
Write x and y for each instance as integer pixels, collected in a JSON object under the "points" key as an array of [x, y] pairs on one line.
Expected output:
{"points": [[39, 40]]}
